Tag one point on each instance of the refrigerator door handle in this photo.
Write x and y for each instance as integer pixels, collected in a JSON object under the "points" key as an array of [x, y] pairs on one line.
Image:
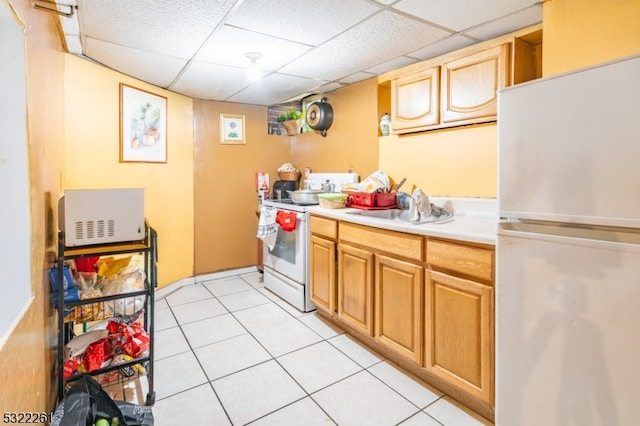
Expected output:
{"points": [[580, 235]]}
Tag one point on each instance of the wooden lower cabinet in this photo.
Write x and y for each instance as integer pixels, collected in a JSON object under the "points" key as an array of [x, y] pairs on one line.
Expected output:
{"points": [[398, 306], [425, 303], [459, 333], [322, 272], [355, 288]]}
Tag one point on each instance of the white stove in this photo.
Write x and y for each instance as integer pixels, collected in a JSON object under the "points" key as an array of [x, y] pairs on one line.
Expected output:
{"points": [[286, 266]]}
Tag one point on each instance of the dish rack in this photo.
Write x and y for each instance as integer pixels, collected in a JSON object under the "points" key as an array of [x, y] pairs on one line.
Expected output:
{"points": [[370, 200]]}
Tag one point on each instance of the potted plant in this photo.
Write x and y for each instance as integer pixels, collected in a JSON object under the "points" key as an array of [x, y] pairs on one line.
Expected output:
{"points": [[291, 119]]}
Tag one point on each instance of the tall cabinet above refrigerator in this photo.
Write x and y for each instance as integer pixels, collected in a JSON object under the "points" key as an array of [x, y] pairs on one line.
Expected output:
{"points": [[568, 249]]}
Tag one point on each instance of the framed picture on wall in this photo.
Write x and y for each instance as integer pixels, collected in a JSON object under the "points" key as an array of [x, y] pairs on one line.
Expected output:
{"points": [[143, 126], [232, 129]]}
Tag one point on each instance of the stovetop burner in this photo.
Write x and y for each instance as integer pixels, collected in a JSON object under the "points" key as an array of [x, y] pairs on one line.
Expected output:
{"points": [[285, 204]]}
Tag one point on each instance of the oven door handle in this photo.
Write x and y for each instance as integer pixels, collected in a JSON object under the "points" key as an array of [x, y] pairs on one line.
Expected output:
{"points": [[301, 217]]}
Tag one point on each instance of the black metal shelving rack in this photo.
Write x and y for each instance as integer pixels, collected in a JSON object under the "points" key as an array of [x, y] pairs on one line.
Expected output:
{"points": [[148, 247]]}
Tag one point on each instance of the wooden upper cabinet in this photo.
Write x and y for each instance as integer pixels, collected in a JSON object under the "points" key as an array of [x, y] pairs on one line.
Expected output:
{"points": [[470, 85], [415, 100]]}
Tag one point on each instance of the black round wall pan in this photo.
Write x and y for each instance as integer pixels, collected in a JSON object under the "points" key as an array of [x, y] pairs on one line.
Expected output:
{"points": [[320, 116]]}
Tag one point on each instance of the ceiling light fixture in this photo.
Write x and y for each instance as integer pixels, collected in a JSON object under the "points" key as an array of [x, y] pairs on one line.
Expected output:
{"points": [[253, 71]]}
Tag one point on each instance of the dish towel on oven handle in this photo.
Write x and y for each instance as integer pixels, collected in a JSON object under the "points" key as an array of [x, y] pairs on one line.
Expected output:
{"points": [[286, 220], [267, 230]]}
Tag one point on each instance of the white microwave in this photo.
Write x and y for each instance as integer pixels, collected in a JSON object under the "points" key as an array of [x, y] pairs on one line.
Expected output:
{"points": [[100, 216]]}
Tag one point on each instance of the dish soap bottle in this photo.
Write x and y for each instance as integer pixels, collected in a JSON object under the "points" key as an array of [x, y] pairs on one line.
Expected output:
{"points": [[385, 124]]}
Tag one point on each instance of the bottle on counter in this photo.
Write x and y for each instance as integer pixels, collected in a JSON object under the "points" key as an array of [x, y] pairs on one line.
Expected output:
{"points": [[385, 124]]}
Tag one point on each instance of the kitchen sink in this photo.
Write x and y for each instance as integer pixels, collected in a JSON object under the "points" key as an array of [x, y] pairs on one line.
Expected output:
{"points": [[400, 215]]}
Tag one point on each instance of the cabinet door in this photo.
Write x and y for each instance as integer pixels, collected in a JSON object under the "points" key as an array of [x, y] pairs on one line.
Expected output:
{"points": [[355, 288], [459, 333], [322, 265], [398, 306], [470, 85], [414, 101]]}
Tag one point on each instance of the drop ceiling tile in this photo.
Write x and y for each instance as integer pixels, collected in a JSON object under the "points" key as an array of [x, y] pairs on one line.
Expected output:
{"points": [[150, 67], [328, 88], [395, 63], [443, 46], [73, 44], [306, 21], [460, 15], [229, 45], [174, 28], [376, 40], [307, 46], [274, 88], [522, 19], [356, 77], [210, 81]]}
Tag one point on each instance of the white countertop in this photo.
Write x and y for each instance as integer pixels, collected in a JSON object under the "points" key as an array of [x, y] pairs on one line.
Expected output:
{"points": [[474, 220]]}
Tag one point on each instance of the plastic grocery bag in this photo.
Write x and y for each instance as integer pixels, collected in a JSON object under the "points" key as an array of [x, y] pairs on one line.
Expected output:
{"points": [[128, 279], [86, 402]]}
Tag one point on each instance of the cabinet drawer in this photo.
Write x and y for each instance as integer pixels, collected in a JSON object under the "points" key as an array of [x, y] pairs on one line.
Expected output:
{"points": [[470, 261], [324, 226], [403, 245]]}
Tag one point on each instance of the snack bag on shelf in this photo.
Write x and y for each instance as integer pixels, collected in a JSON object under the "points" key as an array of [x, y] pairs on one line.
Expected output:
{"points": [[87, 281], [93, 311], [78, 345], [108, 266], [129, 279], [87, 264], [132, 338], [98, 354], [128, 370], [73, 366]]}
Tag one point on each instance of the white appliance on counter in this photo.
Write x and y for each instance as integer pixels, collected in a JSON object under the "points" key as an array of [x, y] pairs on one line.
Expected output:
{"points": [[286, 266], [568, 249]]}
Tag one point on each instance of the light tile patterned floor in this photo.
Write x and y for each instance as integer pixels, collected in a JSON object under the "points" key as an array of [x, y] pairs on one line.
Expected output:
{"points": [[229, 352]]}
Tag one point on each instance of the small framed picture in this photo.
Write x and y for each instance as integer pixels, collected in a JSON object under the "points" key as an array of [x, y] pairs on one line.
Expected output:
{"points": [[143, 126], [232, 129]]}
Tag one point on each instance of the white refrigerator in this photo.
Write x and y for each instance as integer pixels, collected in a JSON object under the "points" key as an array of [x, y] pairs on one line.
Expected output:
{"points": [[568, 249]]}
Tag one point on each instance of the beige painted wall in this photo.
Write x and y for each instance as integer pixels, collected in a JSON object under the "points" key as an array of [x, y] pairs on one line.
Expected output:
{"points": [[579, 33], [226, 200], [225, 197], [458, 162], [351, 142], [92, 99], [26, 358]]}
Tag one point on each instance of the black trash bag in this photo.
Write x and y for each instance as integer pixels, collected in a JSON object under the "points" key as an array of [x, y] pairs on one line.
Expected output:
{"points": [[86, 402], [135, 415]]}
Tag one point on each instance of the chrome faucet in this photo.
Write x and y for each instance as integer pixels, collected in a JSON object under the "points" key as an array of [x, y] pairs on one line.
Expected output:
{"points": [[328, 186]]}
